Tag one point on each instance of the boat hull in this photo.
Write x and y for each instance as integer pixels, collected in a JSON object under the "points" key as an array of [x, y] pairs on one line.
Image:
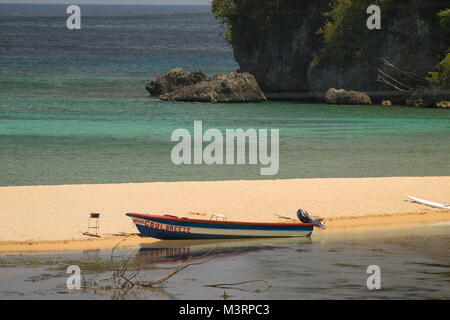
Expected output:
{"points": [[171, 228]]}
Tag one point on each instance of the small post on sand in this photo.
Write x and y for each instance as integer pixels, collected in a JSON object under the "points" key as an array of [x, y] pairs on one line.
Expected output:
{"points": [[96, 222]]}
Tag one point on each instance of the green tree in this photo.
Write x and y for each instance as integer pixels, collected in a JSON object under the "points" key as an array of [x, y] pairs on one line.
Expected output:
{"points": [[345, 32], [441, 78]]}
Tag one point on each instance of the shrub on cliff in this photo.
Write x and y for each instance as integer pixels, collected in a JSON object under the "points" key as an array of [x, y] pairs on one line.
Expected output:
{"points": [[441, 77], [246, 18], [444, 19], [346, 38], [345, 31]]}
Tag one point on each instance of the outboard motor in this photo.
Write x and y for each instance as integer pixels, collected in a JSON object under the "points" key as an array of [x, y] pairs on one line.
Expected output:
{"points": [[304, 217]]}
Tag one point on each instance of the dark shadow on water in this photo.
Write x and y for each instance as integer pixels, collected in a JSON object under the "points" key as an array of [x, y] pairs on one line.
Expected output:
{"points": [[171, 251]]}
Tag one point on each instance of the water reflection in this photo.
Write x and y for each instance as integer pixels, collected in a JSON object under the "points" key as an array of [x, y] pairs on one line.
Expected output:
{"points": [[414, 264], [171, 251]]}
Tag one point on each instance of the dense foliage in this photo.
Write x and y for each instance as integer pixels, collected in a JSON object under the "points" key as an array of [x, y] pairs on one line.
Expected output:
{"points": [[441, 78], [245, 18], [444, 19], [345, 31], [338, 27]]}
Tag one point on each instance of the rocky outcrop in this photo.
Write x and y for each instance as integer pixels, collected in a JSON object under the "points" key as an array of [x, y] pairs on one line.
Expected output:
{"points": [[428, 98], [415, 102], [172, 80], [179, 85], [278, 66], [283, 48], [279, 56], [335, 96], [405, 42], [443, 104]]}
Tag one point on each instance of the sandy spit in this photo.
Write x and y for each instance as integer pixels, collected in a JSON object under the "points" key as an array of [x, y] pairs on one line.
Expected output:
{"points": [[54, 217]]}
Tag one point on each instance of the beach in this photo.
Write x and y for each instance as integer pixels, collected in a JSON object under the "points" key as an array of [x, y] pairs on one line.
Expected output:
{"points": [[36, 218]]}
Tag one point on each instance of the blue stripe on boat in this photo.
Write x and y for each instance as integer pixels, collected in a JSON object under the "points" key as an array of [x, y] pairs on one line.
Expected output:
{"points": [[220, 226], [228, 226], [168, 235]]}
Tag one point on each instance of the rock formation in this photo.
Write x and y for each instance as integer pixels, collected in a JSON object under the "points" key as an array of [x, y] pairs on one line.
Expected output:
{"points": [[334, 96], [173, 80], [287, 47], [179, 85], [443, 104]]}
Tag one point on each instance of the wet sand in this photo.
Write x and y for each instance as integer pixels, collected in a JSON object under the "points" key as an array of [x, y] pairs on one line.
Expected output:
{"points": [[54, 217]]}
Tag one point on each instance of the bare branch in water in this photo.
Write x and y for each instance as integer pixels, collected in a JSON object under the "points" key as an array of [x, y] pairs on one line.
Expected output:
{"points": [[123, 280]]}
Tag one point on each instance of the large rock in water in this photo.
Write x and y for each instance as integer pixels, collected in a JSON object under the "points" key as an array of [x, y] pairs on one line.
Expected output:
{"points": [[179, 85], [173, 80], [335, 96]]}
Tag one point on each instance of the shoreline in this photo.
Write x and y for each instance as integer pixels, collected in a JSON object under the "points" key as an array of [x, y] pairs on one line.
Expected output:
{"points": [[49, 218], [343, 226], [378, 99]]}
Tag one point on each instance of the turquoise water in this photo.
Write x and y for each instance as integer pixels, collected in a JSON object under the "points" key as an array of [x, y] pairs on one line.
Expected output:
{"points": [[74, 109], [128, 140]]}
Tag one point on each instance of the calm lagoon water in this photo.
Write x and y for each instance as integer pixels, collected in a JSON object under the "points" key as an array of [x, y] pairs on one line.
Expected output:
{"points": [[414, 264]]}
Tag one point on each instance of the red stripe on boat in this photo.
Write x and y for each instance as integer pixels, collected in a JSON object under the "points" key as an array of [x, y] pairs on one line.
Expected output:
{"points": [[168, 218]]}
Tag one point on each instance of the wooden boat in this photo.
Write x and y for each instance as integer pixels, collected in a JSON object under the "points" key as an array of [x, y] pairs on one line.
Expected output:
{"points": [[169, 227]]}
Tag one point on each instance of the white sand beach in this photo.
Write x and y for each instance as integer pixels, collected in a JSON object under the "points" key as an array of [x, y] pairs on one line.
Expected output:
{"points": [[54, 217]]}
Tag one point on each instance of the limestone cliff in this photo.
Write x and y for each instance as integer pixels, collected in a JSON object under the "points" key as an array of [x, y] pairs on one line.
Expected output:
{"points": [[301, 46]]}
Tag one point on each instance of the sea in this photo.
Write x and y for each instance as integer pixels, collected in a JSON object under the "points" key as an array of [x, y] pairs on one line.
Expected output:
{"points": [[74, 109]]}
